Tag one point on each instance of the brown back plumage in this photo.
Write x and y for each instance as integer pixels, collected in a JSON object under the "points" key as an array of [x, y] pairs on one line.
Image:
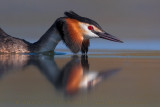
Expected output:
{"points": [[2, 33]]}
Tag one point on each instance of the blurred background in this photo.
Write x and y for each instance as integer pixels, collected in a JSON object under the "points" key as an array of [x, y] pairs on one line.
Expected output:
{"points": [[136, 22]]}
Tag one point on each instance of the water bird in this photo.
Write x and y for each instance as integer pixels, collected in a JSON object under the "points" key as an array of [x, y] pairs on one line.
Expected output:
{"points": [[73, 29]]}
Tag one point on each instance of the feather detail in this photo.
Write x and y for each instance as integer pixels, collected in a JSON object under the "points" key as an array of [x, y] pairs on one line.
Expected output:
{"points": [[2, 33], [73, 36], [85, 45]]}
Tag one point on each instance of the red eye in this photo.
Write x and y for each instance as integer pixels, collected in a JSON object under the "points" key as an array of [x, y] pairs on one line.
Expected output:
{"points": [[90, 27]]}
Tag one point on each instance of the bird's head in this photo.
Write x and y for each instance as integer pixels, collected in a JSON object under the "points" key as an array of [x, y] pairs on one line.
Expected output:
{"points": [[74, 29]]}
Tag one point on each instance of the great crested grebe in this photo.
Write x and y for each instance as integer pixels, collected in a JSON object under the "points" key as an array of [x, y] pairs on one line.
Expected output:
{"points": [[74, 30]]}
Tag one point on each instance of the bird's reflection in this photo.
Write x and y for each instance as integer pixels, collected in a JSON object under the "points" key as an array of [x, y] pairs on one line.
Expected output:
{"points": [[76, 76], [10, 62], [70, 79]]}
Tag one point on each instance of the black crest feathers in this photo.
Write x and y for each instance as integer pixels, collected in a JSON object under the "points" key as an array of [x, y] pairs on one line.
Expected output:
{"points": [[74, 15]]}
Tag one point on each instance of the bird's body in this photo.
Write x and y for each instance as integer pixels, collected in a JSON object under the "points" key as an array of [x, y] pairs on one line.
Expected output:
{"points": [[9, 44], [74, 30], [47, 42]]}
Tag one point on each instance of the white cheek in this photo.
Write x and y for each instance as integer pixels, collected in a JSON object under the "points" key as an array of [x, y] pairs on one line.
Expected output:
{"points": [[88, 33]]}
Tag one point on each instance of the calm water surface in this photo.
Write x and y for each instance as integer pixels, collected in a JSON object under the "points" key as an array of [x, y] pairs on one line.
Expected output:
{"points": [[105, 78], [99, 79]]}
